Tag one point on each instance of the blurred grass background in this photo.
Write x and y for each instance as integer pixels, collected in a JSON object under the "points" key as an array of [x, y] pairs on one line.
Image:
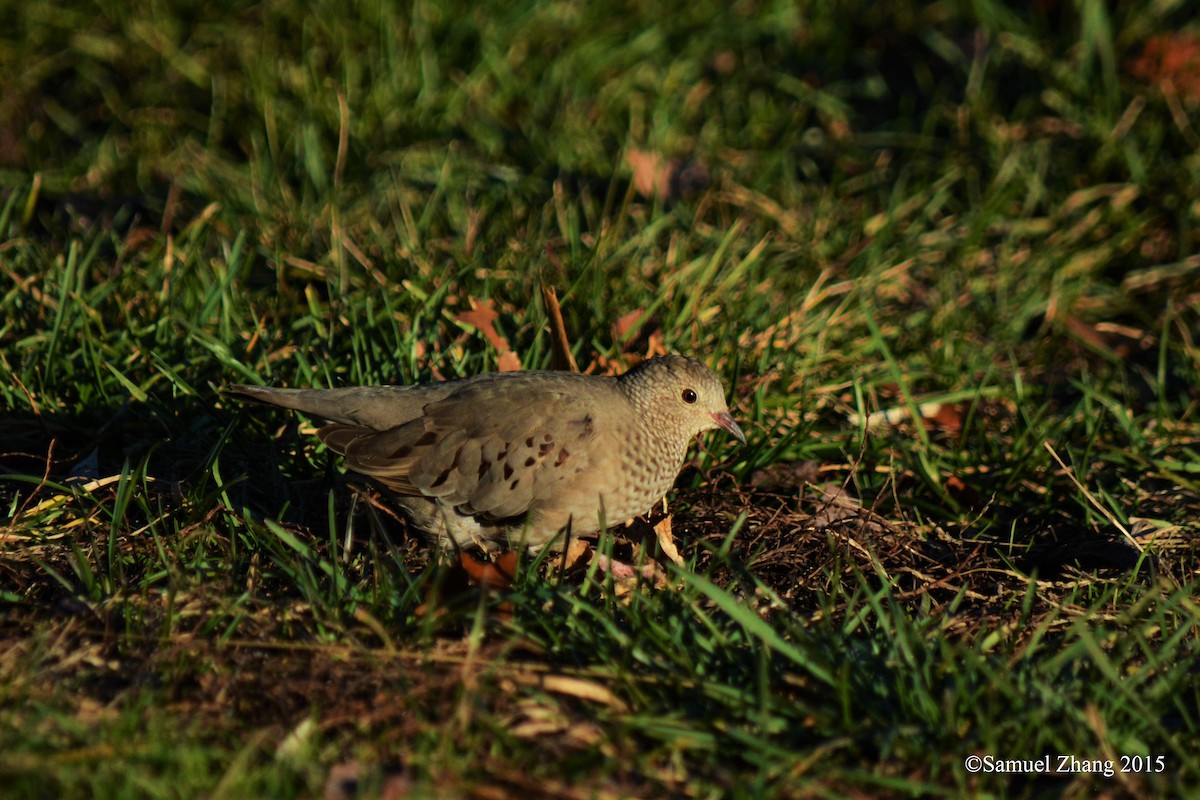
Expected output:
{"points": [[932, 247]]}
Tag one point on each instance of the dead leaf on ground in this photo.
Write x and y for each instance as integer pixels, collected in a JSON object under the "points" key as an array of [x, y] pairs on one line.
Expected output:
{"points": [[964, 493], [603, 365], [639, 332], [666, 540], [666, 179], [535, 719], [508, 362], [578, 555], [468, 574], [496, 574], [482, 316], [628, 323], [835, 504], [894, 416], [1171, 61], [948, 419], [1115, 340], [655, 346]]}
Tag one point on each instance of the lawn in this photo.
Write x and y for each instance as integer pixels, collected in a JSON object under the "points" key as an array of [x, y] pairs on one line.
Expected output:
{"points": [[943, 256]]}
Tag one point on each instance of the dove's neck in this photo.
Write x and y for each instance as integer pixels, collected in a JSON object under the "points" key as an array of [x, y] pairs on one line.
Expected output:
{"points": [[656, 446]]}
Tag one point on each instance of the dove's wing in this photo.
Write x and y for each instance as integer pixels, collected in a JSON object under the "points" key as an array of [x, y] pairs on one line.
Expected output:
{"points": [[492, 448]]}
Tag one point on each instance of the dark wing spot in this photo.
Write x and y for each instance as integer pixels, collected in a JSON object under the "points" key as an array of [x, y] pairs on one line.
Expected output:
{"points": [[484, 466], [529, 442], [513, 485], [442, 478], [548, 438], [402, 452], [546, 448], [427, 439], [508, 470], [562, 457], [529, 462]]}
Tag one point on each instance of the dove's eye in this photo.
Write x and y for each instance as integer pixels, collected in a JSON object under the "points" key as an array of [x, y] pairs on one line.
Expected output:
{"points": [[689, 396]]}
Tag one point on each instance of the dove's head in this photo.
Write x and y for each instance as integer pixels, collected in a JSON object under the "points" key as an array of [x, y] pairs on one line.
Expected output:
{"points": [[675, 393]]}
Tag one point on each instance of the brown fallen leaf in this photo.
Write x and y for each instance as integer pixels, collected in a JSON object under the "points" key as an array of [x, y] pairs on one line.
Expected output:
{"points": [[581, 689], [835, 504], [482, 316], [508, 362], [578, 556], [961, 491], [666, 540], [603, 365], [948, 419], [1171, 61], [666, 179], [467, 574], [496, 574], [627, 324], [655, 345]]}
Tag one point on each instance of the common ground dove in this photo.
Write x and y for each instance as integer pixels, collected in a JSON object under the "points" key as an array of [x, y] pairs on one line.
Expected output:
{"points": [[516, 457]]}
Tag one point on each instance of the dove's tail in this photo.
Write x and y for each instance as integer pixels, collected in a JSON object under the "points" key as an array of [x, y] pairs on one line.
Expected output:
{"points": [[284, 398], [374, 407]]}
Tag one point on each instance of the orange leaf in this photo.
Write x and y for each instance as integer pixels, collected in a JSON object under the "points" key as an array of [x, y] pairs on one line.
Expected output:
{"points": [[628, 323], [578, 556], [666, 540], [1172, 62], [649, 175], [496, 574], [948, 418], [655, 176], [508, 362], [482, 316]]}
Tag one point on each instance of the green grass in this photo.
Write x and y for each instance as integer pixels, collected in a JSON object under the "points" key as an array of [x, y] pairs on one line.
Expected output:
{"points": [[961, 214]]}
